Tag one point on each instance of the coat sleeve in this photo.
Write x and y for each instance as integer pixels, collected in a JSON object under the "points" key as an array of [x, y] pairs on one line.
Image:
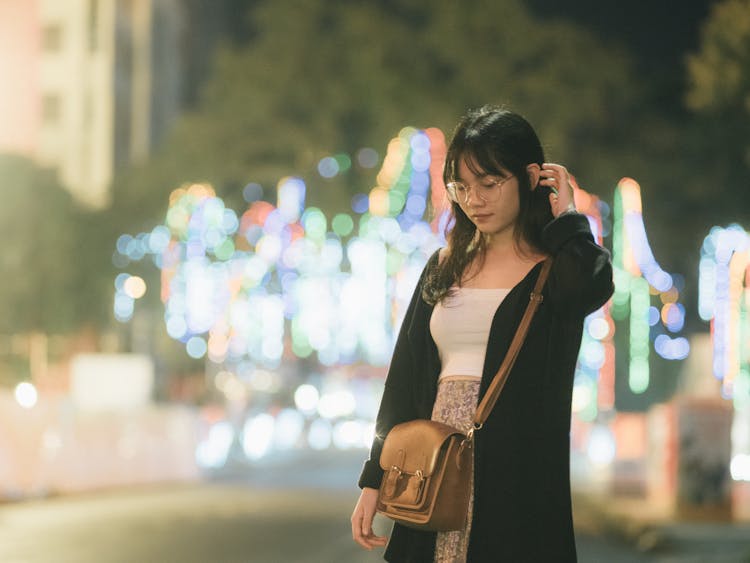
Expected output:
{"points": [[397, 404], [581, 277]]}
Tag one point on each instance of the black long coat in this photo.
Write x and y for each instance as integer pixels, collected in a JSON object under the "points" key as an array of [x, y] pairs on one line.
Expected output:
{"points": [[522, 506]]}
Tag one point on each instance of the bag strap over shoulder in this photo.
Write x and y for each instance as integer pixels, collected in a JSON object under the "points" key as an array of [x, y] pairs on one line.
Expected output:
{"points": [[493, 392]]}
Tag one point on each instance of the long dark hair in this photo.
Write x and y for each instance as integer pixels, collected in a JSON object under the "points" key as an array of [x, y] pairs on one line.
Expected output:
{"points": [[495, 140]]}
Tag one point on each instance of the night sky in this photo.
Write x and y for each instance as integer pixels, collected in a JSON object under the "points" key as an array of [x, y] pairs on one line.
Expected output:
{"points": [[658, 34]]}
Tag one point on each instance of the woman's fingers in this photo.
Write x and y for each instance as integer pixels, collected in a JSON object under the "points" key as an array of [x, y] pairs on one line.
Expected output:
{"points": [[368, 540], [557, 178], [357, 534], [367, 521], [362, 518], [547, 166], [377, 541], [553, 173], [369, 516]]}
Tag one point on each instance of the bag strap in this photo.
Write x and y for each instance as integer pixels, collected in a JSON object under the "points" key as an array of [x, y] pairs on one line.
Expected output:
{"points": [[493, 392]]}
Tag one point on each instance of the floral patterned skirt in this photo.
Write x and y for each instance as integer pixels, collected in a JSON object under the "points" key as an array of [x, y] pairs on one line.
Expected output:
{"points": [[455, 405]]}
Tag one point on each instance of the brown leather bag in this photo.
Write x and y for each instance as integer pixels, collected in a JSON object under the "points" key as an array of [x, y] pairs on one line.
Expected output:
{"points": [[429, 465]]}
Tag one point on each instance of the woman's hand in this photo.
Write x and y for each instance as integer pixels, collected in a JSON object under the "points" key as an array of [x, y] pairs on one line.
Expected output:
{"points": [[557, 178], [362, 517]]}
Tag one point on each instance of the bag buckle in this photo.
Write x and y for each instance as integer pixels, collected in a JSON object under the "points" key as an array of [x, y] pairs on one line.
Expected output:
{"points": [[538, 297], [467, 442], [394, 474], [415, 486]]}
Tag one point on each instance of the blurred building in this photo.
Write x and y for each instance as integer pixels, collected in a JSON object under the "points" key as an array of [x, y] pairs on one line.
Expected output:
{"points": [[88, 85]]}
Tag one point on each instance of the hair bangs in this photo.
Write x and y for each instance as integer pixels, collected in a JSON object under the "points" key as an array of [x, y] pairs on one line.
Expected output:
{"points": [[482, 161]]}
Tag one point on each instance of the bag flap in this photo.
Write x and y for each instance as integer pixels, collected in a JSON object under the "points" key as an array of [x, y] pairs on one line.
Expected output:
{"points": [[415, 445]]}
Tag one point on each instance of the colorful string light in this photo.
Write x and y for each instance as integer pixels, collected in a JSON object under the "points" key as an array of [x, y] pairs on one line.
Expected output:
{"points": [[637, 277], [593, 387], [239, 287], [724, 299]]}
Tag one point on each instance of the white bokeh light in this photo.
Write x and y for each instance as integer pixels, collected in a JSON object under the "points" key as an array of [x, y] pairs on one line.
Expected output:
{"points": [[26, 395], [257, 436], [306, 398]]}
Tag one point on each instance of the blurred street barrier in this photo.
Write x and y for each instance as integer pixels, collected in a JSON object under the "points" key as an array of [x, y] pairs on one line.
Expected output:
{"points": [[56, 448]]}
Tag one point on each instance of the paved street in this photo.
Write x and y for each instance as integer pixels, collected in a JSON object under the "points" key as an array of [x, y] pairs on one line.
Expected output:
{"points": [[272, 513]]}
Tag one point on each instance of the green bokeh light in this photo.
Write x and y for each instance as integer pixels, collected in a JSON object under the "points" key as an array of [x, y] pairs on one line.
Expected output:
{"points": [[315, 224], [344, 161], [342, 224], [225, 250]]}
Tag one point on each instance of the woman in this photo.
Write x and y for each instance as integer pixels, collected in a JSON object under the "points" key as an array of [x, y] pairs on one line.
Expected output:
{"points": [[511, 210]]}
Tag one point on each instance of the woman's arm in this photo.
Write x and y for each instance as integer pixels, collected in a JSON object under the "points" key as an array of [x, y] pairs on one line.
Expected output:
{"points": [[581, 277]]}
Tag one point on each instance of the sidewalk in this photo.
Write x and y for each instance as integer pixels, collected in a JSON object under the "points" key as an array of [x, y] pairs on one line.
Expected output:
{"points": [[635, 522]]}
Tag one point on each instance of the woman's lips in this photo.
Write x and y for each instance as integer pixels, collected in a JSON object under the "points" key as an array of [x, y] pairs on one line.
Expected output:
{"points": [[481, 216]]}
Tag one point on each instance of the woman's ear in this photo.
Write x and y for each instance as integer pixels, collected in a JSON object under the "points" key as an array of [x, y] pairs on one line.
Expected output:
{"points": [[533, 171]]}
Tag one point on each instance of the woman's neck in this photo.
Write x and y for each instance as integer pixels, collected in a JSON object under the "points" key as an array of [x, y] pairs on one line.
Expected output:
{"points": [[506, 248]]}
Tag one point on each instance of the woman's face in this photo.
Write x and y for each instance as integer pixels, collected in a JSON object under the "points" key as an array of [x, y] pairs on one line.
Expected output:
{"points": [[491, 200]]}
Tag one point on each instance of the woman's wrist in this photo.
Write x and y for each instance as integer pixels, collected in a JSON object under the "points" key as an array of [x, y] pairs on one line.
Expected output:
{"points": [[571, 208]]}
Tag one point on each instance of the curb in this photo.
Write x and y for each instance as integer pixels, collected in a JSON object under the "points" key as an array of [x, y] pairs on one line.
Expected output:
{"points": [[656, 536]]}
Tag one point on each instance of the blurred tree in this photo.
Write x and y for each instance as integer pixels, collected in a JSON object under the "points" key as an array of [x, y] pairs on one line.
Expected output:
{"points": [[38, 226], [719, 93], [319, 78], [94, 271]]}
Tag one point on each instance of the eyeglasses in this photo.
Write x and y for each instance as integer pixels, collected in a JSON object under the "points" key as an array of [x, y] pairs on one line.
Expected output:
{"points": [[487, 189]]}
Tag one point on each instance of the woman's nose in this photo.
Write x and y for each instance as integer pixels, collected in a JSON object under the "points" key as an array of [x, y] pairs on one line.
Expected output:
{"points": [[473, 199]]}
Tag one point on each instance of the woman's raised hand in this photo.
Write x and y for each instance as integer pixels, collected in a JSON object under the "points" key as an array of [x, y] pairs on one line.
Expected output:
{"points": [[557, 178], [362, 517]]}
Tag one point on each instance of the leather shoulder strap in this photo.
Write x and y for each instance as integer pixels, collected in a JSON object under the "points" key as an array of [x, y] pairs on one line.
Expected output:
{"points": [[493, 392]]}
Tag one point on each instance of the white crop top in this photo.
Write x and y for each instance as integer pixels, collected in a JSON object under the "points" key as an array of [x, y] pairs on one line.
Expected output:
{"points": [[460, 326]]}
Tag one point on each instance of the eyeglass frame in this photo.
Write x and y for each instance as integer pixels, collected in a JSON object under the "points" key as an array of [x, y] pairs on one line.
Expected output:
{"points": [[450, 187]]}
